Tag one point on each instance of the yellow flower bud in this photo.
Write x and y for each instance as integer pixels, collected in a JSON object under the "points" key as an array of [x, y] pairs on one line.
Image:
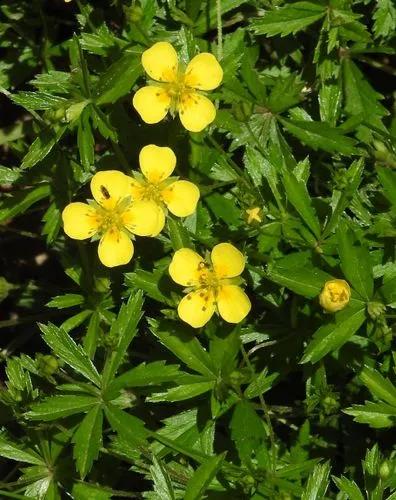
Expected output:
{"points": [[335, 295]]}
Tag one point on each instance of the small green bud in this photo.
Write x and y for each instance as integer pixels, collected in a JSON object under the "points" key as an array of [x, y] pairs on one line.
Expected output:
{"points": [[135, 14], [47, 364], [375, 309], [384, 470], [74, 111]]}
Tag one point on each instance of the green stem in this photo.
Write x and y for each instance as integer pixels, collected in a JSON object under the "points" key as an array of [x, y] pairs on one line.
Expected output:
{"points": [[219, 31], [265, 411]]}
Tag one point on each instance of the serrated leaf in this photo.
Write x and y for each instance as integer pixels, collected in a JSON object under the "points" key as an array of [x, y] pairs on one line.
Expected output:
{"points": [[118, 79], [379, 386], [318, 483], [41, 147], [376, 415], [247, 430], [149, 283], [14, 451], [320, 135], [350, 488], [260, 384], [183, 392], [162, 481], [288, 19], [298, 196], [67, 300], [333, 335], [185, 346], [145, 375], [355, 262], [202, 477], [56, 407], [125, 328], [384, 19], [71, 353], [88, 440], [21, 201]]}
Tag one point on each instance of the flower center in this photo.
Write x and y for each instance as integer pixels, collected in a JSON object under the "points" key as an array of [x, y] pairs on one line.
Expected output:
{"points": [[180, 93], [152, 192], [110, 218], [337, 294]]}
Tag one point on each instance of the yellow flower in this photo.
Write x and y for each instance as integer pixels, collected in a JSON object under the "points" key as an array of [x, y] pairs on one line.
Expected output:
{"points": [[157, 164], [211, 285], [112, 217], [253, 214], [176, 89], [335, 295]]}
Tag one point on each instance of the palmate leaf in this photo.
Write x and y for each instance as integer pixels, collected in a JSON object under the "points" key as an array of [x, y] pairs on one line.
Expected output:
{"points": [[376, 415], [288, 19]]}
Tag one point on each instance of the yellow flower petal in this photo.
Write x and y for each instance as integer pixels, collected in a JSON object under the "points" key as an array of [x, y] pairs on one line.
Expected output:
{"points": [[181, 198], [203, 72], [152, 103], [144, 218], [109, 187], [185, 265], [197, 308], [157, 163], [335, 295], [196, 111], [115, 248], [227, 261], [233, 303], [160, 62], [136, 189], [80, 221]]}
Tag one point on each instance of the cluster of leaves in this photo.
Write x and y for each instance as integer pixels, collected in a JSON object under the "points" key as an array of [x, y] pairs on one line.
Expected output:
{"points": [[116, 398]]}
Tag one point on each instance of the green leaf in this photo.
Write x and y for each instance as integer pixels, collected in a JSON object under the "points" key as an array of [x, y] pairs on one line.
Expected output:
{"points": [[202, 477], [71, 353], [162, 482], [247, 430], [183, 392], [384, 19], [318, 483], [387, 178], [379, 386], [118, 79], [88, 440], [67, 300], [83, 491], [85, 139], [353, 176], [355, 262], [298, 196], [41, 147], [37, 100], [126, 425], [149, 283], [14, 451], [22, 200], [178, 234], [376, 415], [320, 135], [125, 328], [144, 375], [288, 19], [260, 384], [184, 345], [360, 97], [56, 407], [333, 335], [298, 275], [350, 488]]}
